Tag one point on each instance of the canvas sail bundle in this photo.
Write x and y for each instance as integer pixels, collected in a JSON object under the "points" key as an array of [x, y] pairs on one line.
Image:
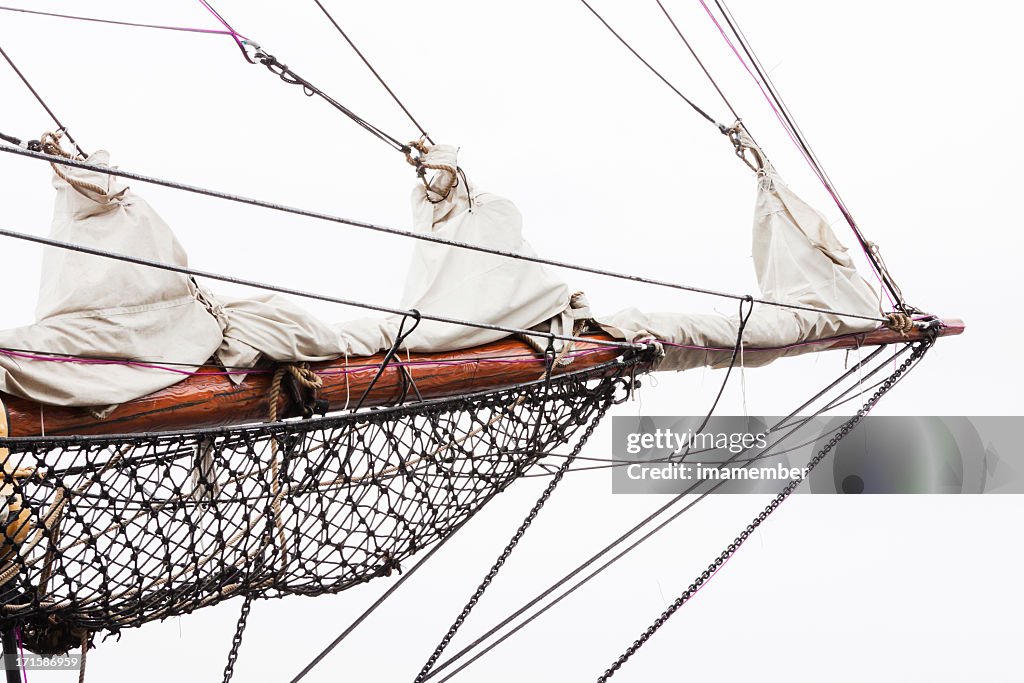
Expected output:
{"points": [[101, 309], [798, 260]]}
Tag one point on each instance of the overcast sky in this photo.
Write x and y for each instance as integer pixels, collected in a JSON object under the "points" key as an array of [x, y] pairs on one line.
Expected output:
{"points": [[911, 106]]}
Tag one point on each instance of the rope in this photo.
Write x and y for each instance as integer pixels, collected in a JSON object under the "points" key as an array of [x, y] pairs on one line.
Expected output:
{"points": [[281, 70], [699, 62], [899, 322], [39, 99], [310, 380], [116, 22], [85, 650], [374, 71], [294, 292], [559, 474], [778, 106], [451, 173], [606, 402], [632, 531], [49, 143], [425, 237], [664, 80], [302, 374], [920, 349]]}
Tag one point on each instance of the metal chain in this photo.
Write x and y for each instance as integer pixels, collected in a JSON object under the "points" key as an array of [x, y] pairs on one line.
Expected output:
{"points": [[513, 542], [919, 350], [236, 642]]}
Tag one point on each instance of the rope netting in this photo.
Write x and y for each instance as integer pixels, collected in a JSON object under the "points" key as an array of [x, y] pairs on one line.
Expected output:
{"points": [[104, 533]]}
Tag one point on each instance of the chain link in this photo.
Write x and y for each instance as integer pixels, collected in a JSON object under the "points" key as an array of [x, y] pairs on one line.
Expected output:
{"points": [[236, 642], [607, 402], [919, 350]]}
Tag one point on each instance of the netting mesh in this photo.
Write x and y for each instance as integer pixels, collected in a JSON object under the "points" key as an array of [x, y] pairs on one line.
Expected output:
{"points": [[107, 533]]}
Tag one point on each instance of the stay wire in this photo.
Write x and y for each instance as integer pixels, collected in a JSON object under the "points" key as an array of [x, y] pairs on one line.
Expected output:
{"points": [[514, 541], [424, 237], [737, 349], [699, 61], [842, 399], [609, 547], [287, 75], [920, 348], [115, 22], [372, 608], [391, 590], [374, 71], [41, 101], [657, 73], [298, 292], [812, 158]]}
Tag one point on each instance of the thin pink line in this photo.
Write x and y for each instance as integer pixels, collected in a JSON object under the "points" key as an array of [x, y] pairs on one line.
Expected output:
{"points": [[129, 363], [21, 651], [116, 22], [417, 363], [792, 137], [341, 371], [234, 34]]}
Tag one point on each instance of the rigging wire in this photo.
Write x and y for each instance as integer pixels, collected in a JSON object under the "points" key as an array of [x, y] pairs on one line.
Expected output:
{"points": [[533, 513], [626, 535], [298, 292], [235, 35], [562, 470], [187, 29], [657, 73], [767, 87], [254, 54], [420, 236], [919, 350], [699, 61], [374, 72], [41, 101], [287, 75]]}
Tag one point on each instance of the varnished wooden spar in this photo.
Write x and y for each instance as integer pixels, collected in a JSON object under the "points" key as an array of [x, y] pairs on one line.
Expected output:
{"points": [[213, 400]]}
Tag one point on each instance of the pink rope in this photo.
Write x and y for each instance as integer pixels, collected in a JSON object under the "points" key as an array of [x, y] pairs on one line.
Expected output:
{"points": [[163, 27], [454, 362], [21, 651], [238, 37], [792, 136]]}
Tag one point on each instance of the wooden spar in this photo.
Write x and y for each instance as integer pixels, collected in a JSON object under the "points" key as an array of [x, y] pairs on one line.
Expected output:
{"points": [[213, 400]]}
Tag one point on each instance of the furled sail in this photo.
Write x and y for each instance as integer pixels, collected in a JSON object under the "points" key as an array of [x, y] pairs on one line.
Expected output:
{"points": [[106, 309], [798, 260], [102, 308]]}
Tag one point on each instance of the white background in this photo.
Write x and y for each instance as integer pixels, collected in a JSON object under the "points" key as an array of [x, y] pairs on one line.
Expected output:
{"points": [[912, 107]]}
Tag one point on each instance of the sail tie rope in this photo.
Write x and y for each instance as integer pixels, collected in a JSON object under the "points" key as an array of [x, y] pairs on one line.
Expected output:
{"points": [[49, 143], [899, 322], [39, 98], [451, 175], [305, 377], [420, 236]]}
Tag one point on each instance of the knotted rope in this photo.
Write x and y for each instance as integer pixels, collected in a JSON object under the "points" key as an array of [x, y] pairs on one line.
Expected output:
{"points": [[305, 377], [49, 143], [451, 179], [899, 322]]}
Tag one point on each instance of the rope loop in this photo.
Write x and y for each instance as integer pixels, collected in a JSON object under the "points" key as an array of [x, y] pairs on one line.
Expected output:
{"points": [[899, 322], [49, 143], [755, 161], [452, 172]]}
